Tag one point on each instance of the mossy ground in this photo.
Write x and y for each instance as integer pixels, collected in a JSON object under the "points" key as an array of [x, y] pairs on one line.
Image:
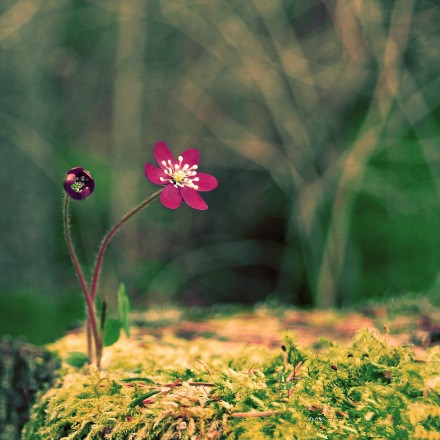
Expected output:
{"points": [[226, 377]]}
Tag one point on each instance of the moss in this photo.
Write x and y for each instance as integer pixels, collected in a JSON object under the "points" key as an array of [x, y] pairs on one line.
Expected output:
{"points": [[24, 370], [174, 389]]}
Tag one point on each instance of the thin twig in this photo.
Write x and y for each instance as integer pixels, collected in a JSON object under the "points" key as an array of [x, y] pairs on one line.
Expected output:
{"points": [[292, 375]]}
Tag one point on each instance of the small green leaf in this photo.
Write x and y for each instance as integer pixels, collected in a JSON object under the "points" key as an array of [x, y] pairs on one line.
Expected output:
{"points": [[143, 397], [111, 332], [138, 379], [77, 359], [124, 309]]}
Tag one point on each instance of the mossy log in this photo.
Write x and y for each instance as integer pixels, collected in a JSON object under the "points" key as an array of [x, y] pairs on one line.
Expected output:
{"points": [[164, 387]]}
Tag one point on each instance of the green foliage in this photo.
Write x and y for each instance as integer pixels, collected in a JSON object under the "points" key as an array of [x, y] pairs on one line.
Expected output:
{"points": [[76, 359], [24, 370], [124, 309], [293, 354], [19, 318], [112, 331], [176, 389], [112, 327]]}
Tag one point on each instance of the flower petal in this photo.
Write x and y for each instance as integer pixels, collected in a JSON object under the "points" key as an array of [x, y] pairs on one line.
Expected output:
{"points": [[170, 197], [85, 193], [191, 157], [76, 170], [70, 178], [163, 153], [154, 174], [206, 182], [193, 198]]}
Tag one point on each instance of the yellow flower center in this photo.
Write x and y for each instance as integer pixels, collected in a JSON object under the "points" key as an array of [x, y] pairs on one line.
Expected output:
{"points": [[180, 174]]}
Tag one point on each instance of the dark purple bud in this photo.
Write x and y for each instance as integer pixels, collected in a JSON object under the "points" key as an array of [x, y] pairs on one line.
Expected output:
{"points": [[334, 367], [79, 184]]}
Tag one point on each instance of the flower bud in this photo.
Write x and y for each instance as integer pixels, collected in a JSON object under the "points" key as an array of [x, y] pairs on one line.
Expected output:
{"points": [[78, 184]]}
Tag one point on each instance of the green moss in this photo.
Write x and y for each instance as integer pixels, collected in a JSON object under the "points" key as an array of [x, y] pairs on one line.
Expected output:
{"points": [[176, 389], [24, 369]]}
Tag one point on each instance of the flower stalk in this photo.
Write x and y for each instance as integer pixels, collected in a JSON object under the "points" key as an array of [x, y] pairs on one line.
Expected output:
{"points": [[110, 235], [89, 302], [100, 259]]}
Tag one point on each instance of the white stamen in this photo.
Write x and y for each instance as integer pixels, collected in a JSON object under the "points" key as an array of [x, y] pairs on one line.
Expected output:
{"points": [[180, 174]]}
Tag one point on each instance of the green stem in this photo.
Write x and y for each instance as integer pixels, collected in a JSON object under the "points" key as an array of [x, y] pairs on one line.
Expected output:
{"points": [[109, 236], [79, 273]]}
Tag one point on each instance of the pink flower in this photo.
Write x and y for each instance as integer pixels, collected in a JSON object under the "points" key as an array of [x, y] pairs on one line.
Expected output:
{"points": [[180, 177]]}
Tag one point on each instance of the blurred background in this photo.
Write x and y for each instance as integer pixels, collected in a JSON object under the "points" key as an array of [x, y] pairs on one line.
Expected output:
{"points": [[319, 118]]}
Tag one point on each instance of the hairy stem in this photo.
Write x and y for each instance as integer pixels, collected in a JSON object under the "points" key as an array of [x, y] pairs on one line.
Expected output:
{"points": [[109, 236], [82, 281], [90, 354]]}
